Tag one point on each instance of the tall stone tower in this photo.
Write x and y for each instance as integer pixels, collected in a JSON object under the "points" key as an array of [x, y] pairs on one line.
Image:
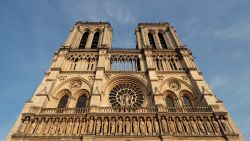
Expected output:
{"points": [[95, 92]]}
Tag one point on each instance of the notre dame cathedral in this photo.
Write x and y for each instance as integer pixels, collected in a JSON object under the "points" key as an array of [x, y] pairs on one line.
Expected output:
{"points": [[153, 92]]}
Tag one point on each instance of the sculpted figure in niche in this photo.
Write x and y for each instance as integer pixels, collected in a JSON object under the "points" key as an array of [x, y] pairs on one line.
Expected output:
{"points": [[149, 126], [61, 128], [32, 127], [164, 124], [135, 126], [54, 127], [69, 127], [40, 127], [186, 126], [127, 126], [216, 125], [171, 126], [142, 126], [105, 126], [208, 125], [98, 126], [23, 126], [225, 125], [47, 127], [90, 125], [194, 126], [119, 126], [112, 126], [156, 126], [200, 125], [83, 126], [179, 125], [76, 126]]}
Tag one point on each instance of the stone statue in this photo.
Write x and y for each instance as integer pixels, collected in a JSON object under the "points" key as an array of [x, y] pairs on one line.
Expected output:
{"points": [[149, 126], [225, 125], [76, 126], [112, 126], [156, 126], [54, 126], [208, 125], [127, 126], [119, 126], [200, 125], [164, 125], [216, 125], [40, 126], [32, 127], [194, 126], [186, 126], [171, 126], [105, 126], [47, 127], [61, 128], [69, 127], [142, 126], [179, 125], [135, 126], [90, 125], [83, 126], [98, 126], [23, 126]]}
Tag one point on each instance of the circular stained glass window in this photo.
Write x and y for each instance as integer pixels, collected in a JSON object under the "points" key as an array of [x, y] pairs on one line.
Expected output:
{"points": [[126, 95]]}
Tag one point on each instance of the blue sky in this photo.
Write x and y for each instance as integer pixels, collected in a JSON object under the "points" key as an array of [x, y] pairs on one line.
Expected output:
{"points": [[217, 32]]}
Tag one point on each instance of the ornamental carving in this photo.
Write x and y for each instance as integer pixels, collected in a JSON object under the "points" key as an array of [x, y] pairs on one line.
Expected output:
{"points": [[126, 95], [174, 85], [75, 84]]}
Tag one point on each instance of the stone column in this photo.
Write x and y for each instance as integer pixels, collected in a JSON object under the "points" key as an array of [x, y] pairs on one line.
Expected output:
{"points": [[90, 39]]}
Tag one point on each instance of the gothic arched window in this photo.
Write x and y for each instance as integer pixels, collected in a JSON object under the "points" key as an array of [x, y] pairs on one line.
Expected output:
{"points": [[162, 41], [81, 102], [187, 101], [151, 40], [63, 101], [95, 40], [170, 101], [84, 40]]}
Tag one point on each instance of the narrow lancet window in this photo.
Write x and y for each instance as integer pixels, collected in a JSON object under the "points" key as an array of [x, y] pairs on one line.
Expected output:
{"points": [[84, 40], [162, 41], [169, 101], [187, 102], [151, 40], [81, 102], [95, 41], [63, 101]]}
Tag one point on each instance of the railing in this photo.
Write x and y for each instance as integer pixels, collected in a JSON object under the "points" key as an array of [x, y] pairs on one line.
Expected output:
{"points": [[160, 109]]}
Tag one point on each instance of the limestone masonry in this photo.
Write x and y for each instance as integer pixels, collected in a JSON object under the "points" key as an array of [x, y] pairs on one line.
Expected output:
{"points": [[95, 92]]}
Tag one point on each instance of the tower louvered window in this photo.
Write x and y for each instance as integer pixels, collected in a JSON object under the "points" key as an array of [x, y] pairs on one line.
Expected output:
{"points": [[84, 40], [151, 40], [162, 41], [95, 40]]}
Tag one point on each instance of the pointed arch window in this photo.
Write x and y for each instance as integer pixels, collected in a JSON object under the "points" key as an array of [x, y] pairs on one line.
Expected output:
{"points": [[151, 40], [170, 101], [95, 40], [63, 101], [162, 41], [84, 40], [81, 102], [187, 101]]}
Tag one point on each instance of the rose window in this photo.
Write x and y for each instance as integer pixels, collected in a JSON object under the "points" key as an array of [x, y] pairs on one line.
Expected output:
{"points": [[126, 95]]}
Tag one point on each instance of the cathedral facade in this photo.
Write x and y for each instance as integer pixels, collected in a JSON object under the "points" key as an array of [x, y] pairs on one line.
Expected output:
{"points": [[95, 92]]}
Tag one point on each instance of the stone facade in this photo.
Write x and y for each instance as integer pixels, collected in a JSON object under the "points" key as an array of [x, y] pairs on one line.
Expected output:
{"points": [[94, 92]]}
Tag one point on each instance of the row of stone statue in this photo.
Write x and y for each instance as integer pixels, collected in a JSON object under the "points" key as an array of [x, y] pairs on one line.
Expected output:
{"points": [[124, 126]]}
